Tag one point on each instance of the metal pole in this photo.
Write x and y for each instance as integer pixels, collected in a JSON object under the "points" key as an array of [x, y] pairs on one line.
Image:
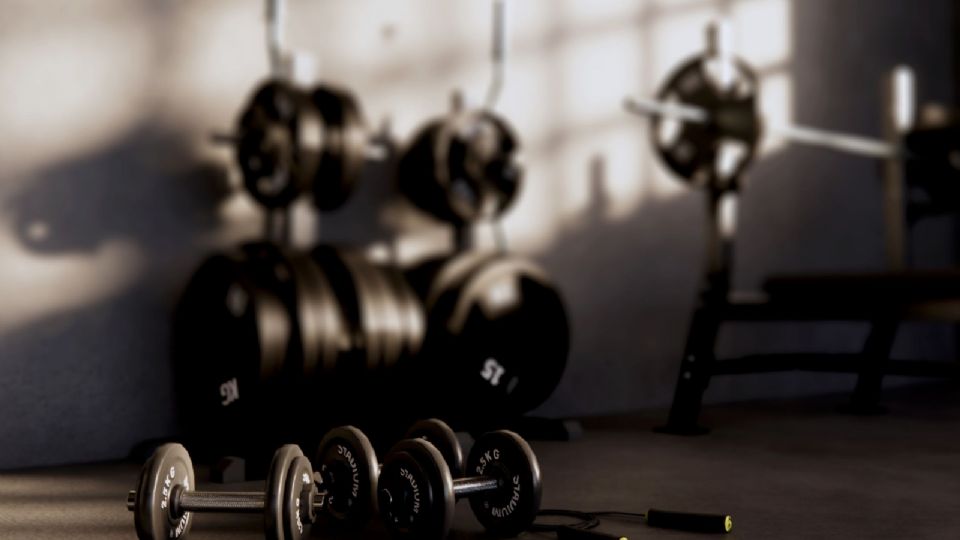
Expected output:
{"points": [[899, 118], [498, 53], [276, 14]]}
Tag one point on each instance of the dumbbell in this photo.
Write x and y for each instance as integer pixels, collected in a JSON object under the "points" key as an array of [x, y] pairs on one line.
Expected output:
{"points": [[165, 499], [417, 493], [346, 453]]}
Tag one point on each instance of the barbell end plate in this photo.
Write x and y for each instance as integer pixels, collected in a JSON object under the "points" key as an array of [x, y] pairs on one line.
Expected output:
{"points": [[131, 500]]}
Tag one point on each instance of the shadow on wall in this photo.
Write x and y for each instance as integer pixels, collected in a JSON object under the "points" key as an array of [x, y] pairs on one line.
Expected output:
{"points": [[148, 188], [629, 285], [94, 378]]}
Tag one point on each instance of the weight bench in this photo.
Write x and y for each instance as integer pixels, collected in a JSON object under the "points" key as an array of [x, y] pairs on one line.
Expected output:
{"points": [[706, 127], [883, 300]]}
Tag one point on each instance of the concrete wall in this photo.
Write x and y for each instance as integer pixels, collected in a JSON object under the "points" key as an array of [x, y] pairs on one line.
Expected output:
{"points": [[110, 192]]}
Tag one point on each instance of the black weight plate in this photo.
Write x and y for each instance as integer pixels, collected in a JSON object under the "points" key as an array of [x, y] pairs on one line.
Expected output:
{"points": [[169, 467], [348, 469], [228, 333], [416, 173], [511, 509], [462, 168], [385, 321], [371, 315], [411, 312], [345, 150], [416, 492], [275, 508], [297, 499], [276, 133], [481, 177], [933, 165], [694, 150], [322, 327], [342, 281], [502, 336], [443, 438], [393, 329], [269, 267], [452, 272]]}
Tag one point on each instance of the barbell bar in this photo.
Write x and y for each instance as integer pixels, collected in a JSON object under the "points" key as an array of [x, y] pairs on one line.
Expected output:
{"points": [[842, 142]]}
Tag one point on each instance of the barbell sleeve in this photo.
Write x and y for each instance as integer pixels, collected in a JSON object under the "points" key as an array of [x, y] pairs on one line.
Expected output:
{"points": [[843, 142], [676, 111]]}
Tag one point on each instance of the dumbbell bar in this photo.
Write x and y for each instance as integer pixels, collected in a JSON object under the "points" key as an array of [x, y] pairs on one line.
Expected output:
{"points": [[417, 493], [237, 502]]}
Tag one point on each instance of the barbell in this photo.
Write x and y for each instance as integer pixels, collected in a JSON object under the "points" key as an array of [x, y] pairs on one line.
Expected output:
{"points": [[707, 123]]}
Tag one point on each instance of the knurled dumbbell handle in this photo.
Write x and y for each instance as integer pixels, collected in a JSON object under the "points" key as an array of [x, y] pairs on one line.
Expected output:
{"points": [[477, 484], [237, 502]]}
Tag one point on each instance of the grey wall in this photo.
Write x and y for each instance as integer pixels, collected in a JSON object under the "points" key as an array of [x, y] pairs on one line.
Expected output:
{"points": [[110, 192]]}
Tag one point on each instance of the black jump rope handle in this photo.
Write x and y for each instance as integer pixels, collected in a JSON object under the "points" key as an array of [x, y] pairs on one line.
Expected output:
{"points": [[685, 521], [679, 521]]}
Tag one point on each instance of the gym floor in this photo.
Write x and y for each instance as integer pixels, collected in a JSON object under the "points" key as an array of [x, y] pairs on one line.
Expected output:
{"points": [[786, 469]]}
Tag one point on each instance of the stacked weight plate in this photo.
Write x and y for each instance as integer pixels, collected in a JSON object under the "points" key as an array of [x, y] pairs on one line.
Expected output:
{"points": [[274, 344], [497, 337]]}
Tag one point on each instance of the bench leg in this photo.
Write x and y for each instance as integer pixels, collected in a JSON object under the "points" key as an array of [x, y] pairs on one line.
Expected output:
{"points": [[873, 366], [696, 367]]}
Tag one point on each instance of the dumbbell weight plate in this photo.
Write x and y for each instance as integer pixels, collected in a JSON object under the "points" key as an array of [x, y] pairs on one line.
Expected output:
{"points": [[348, 467], [415, 495], [717, 152], [511, 509], [443, 438], [276, 505], [169, 466], [297, 499]]}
